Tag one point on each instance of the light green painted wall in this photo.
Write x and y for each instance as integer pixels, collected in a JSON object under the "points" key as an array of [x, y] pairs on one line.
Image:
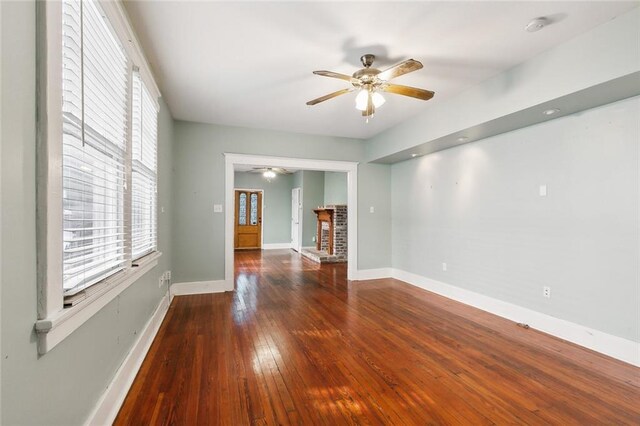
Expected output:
{"points": [[312, 198], [376, 193], [199, 183], [61, 387], [335, 188], [276, 217], [477, 207]]}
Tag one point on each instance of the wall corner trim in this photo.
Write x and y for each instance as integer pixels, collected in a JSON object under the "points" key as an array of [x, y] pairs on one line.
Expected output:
{"points": [[108, 406], [373, 274], [607, 344], [199, 287]]}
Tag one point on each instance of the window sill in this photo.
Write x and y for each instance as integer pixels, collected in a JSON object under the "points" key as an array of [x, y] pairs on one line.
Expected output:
{"points": [[57, 327]]}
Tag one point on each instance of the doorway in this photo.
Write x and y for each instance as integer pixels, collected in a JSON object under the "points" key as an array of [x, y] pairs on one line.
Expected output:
{"points": [[232, 160], [248, 219], [296, 219]]}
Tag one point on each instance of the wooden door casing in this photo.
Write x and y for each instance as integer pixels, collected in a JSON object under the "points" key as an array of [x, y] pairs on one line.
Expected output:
{"points": [[247, 235]]}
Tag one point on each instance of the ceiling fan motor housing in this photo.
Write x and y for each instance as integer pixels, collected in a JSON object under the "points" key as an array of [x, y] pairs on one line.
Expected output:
{"points": [[367, 74], [367, 60], [373, 80]]}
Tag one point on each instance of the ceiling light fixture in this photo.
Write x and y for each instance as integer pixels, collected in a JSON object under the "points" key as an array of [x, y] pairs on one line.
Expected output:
{"points": [[551, 111], [369, 82], [269, 174], [463, 139], [414, 155], [537, 24], [362, 100]]}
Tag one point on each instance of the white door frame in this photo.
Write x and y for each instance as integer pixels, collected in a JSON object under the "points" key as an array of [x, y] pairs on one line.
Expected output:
{"points": [[348, 167], [298, 248]]}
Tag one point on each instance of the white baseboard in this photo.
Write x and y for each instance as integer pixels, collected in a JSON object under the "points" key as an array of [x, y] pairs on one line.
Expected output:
{"points": [[200, 287], [613, 346], [373, 274], [276, 246], [106, 410]]}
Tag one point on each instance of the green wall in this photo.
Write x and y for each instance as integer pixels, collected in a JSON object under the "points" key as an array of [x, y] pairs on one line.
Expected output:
{"points": [[62, 386], [312, 198], [477, 207], [335, 188], [276, 217], [199, 184]]}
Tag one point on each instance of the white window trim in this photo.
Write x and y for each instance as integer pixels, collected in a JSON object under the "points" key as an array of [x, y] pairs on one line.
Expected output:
{"points": [[54, 321], [55, 328]]}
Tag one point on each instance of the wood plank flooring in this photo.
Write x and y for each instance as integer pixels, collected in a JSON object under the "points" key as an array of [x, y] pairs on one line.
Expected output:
{"points": [[296, 343]]}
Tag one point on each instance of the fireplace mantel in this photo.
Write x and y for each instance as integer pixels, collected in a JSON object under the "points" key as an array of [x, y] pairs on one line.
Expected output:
{"points": [[325, 215]]}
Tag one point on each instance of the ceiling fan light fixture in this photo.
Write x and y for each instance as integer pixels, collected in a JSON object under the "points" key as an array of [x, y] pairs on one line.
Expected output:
{"points": [[369, 82], [269, 174], [377, 99], [362, 99]]}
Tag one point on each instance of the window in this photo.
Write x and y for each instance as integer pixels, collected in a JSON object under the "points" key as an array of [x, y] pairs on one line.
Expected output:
{"points": [[242, 210], [254, 208], [97, 163], [143, 170], [94, 139]]}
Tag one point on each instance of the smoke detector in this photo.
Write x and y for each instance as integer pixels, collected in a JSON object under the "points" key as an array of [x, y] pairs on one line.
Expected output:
{"points": [[537, 24]]}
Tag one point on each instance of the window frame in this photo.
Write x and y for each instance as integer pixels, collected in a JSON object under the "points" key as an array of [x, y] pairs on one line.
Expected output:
{"points": [[143, 169], [54, 321]]}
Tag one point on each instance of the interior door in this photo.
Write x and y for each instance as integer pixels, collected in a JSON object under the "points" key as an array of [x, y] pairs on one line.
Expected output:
{"points": [[296, 213], [248, 220]]}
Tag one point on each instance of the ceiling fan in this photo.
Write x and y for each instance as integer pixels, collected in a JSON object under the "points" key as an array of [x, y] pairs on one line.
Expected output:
{"points": [[371, 81], [270, 172]]}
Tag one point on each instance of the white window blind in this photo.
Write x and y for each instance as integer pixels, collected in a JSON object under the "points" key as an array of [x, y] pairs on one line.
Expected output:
{"points": [[143, 170], [94, 108]]}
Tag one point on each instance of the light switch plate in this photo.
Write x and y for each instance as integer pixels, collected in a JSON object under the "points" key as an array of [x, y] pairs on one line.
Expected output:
{"points": [[543, 190], [217, 208], [371, 209]]}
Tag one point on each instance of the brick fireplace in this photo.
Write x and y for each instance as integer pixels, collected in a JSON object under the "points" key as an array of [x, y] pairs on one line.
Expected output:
{"points": [[331, 236]]}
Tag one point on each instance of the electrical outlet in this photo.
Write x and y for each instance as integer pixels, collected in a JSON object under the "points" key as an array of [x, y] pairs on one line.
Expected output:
{"points": [[161, 281], [169, 275], [546, 292], [313, 239], [444, 266], [372, 209]]}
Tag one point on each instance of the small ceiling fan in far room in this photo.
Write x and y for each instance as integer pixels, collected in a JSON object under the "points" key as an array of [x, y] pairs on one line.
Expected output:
{"points": [[371, 81], [270, 172]]}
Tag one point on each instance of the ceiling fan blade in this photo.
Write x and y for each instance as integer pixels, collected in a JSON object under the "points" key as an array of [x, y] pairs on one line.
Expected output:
{"points": [[402, 68], [329, 96], [337, 75], [413, 92], [281, 170]]}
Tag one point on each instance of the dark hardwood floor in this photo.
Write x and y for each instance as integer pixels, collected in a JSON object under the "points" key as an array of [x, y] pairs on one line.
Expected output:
{"points": [[298, 344]]}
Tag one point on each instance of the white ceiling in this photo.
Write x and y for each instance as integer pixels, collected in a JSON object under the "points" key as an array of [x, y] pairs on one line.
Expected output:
{"points": [[250, 63]]}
